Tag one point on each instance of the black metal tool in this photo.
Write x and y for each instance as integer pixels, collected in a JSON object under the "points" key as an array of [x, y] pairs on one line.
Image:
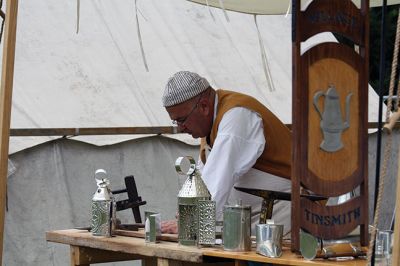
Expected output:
{"points": [[133, 201], [269, 197]]}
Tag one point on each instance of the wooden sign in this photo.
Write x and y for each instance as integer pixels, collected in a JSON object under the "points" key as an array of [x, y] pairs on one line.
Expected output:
{"points": [[330, 119]]}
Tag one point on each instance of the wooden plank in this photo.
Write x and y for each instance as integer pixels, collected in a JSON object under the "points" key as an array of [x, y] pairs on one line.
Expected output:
{"points": [[7, 76], [173, 254], [25, 132], [297, 121], [168, 262], [125, 244], [86, 256], [288, 258]]}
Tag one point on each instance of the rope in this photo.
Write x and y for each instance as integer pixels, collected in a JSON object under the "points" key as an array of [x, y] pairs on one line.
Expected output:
{"points": [[394, 67], [78, 14], [221, 4], [264, 58], [288, 10], [209, 10], [398, 94], [140, 38]]}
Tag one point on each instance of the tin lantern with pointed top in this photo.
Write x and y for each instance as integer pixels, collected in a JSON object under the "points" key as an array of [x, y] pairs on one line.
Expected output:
{"points": [[192, 192], [103, 206]]}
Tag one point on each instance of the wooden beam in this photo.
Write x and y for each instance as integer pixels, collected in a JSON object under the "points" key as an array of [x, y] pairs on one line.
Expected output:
{"points": [[34, 132], [24, 132], [7, 76]]}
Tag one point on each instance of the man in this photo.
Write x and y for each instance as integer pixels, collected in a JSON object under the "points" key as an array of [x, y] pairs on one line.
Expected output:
{"points": [[248, 145]]}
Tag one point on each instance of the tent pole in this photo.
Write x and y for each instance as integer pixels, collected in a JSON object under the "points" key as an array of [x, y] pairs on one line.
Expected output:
{"points": [[7, 76], [396, 244]]}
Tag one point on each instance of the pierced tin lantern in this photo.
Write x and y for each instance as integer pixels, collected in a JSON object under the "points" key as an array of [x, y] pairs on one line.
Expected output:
{"points": [[103, 206], [192, 192]]}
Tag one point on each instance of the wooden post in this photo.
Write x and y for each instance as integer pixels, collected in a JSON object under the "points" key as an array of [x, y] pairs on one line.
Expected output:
{"points": [[318, 94], [5, 104], [396, 244]]}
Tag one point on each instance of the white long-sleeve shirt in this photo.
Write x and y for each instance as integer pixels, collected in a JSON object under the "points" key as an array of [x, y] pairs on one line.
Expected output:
{"points": [[240, 141]]}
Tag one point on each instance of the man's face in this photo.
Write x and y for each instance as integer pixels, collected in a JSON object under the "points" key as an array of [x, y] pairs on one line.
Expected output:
{"points": [[191, 116]]}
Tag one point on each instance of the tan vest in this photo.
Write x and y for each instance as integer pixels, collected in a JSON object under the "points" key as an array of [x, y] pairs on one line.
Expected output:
{"points": [[276, 157]]}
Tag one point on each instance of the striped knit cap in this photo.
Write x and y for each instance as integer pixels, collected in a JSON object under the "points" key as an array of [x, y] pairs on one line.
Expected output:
{"points": [[183, 86]]}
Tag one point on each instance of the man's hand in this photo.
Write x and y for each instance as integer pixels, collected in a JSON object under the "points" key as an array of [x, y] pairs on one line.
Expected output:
{"points": [[169, 227]]}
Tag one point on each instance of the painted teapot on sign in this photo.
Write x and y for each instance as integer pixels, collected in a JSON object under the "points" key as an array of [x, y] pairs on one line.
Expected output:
{"points": [[332, 124]]}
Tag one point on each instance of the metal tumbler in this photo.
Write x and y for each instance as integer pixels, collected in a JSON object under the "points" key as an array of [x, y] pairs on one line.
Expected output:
{"points": [[237, 228], [269, 240]]}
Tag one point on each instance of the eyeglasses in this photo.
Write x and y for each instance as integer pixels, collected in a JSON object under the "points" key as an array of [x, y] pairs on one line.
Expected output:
{"points": [[181, 121]]}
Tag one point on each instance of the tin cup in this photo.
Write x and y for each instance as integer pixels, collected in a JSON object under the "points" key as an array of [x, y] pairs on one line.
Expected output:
{"points": [[237, 228], [385, 240], [269, 240], [152, 227]]}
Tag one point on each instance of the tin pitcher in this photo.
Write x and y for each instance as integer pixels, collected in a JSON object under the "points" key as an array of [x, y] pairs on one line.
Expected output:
{"points": [[332, 124], [103, 206]]}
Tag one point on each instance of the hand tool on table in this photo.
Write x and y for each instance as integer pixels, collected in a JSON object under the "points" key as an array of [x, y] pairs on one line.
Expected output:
{"points": [[133, 201], [269, 197]]}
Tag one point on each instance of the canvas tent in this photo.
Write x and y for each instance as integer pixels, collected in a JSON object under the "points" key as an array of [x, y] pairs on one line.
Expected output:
{"points": [[96, 78]]}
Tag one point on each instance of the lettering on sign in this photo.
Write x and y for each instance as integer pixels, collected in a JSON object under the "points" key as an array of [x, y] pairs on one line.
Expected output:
{"points": [[332, 220], [339, 18]]}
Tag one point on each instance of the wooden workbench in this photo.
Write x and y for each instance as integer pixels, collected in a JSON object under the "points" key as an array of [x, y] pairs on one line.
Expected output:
{"points": [[87, 249]]}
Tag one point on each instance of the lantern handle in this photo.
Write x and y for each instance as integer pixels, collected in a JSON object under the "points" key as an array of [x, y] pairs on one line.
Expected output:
{"points": [[101, 177], [178, 166]]}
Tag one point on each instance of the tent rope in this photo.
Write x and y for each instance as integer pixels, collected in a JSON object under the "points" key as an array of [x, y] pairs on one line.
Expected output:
{"points": [[221, 4], [140, 37], [209, 10], [78, 15], [288, 9], [264, 58], [388, 145], [398, 94], [393, 72]]}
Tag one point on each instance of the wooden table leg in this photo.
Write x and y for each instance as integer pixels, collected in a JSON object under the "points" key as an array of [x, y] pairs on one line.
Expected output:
{"points": [[75, 255], [84, 256], [167, 262], [149, 261], [240, 263]]}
